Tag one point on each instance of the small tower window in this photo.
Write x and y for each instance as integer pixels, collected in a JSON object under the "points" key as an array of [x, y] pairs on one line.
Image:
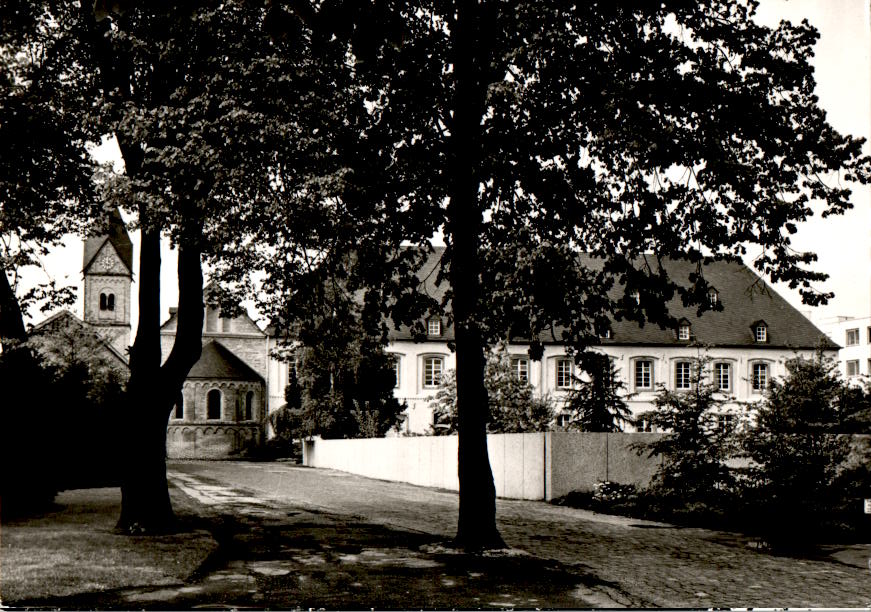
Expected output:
{"points": [[213, 405], [179, 407], [107, 301]]}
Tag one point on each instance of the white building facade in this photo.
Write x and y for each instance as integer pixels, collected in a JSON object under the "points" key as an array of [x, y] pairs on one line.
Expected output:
{"points": [[854, 337], [746, 344]]}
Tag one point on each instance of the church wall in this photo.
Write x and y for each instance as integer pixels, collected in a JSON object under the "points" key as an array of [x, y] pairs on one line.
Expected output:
{"points": [[251, 350], [197, 436]]}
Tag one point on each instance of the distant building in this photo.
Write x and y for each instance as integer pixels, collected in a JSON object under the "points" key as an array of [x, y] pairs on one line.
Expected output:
{"points": [[854, 337], [748, 343], [102, 338], [221, 412]]}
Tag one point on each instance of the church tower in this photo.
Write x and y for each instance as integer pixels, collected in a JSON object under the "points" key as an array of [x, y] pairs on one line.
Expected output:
{"points": [[107, 266]]}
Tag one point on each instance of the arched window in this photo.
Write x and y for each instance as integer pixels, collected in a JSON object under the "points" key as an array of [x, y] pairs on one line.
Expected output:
{"points": [[249, 406], [179, 407], [213, 404], [107, 301]]}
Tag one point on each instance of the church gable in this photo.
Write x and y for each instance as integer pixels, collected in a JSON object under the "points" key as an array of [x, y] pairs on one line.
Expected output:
{"points": [[107, 261]]}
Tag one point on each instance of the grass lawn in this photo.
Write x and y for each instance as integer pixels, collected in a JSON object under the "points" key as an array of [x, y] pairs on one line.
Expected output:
{"points": [[72, 549]]}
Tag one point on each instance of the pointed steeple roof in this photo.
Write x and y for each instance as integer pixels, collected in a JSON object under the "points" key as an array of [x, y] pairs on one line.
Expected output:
{"points": [[113, 231]]}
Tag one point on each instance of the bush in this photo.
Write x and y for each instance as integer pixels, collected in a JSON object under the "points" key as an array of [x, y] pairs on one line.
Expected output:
{"points": [[596, 402], [513, 404], [694, 471], [799, 480]]}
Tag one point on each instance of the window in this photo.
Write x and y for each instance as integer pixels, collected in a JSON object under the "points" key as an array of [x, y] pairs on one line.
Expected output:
{"points": [[213, 404], [853, 367], [644, 374], [760, 377], [683, 331], [563, 420], [179, 407], [683, 375], [760, 332], [433, 368], [434, 327], [107, 301], [225, 324], [395, 363], [723, 376], [643, 426], [869, 335], [852, 337], [713, 297], [563, 373], [249, 406], [606, 334], [725, 423], [520, 366], [637, 297]]}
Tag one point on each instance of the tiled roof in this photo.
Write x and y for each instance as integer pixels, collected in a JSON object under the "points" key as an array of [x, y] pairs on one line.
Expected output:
{"points": [[746, 300], [116, 235], [64, 318], [217, 361]]}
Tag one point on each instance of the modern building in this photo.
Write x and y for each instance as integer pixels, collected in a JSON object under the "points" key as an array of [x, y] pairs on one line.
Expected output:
{"points": [[853, 334]]}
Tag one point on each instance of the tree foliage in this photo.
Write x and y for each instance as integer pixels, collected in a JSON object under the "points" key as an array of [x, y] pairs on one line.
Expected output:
{"points": [[695, 450], [46, 175], [797, 457], [346, 379], [533, 132], [514, 405], [597, 401]]}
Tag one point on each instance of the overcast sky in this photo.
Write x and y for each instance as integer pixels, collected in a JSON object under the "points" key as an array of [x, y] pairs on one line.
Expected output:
{"points": [[843, 72]]}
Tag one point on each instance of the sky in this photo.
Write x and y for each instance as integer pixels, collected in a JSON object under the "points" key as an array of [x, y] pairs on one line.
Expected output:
{"points": [[843, 73]]}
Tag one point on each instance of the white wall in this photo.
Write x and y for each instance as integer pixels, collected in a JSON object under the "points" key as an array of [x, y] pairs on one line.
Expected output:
{"points": [[534, 466]]}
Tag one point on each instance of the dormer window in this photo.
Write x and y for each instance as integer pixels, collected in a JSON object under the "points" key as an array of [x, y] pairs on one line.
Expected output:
{"points": [[760, 332], [434, 327], [684, 331], [713, 297]]}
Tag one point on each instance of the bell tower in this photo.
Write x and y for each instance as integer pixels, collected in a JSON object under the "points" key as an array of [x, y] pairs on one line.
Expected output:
{"points": [[107, 267]]}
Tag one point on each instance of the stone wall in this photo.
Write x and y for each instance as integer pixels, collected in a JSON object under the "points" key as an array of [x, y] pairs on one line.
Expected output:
{"points": [[219, 441]]}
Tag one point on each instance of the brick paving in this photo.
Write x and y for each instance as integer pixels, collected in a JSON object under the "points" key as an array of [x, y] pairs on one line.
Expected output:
{"points": [[637, 563]]}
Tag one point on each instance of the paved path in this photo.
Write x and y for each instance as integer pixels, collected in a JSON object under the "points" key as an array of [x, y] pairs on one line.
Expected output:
{"points": [[635, 563]]}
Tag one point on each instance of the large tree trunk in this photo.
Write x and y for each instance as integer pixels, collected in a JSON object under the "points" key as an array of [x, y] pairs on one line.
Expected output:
{"points": [[477, 522], [152, 389], [11, 319]]}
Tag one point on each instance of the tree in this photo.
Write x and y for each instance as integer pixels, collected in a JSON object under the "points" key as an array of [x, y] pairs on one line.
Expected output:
{"points": [[346, 379], [46, 179], [796, 456], [694, 453], [532, 134], [514, 406], [213, 117], [596, 401]]}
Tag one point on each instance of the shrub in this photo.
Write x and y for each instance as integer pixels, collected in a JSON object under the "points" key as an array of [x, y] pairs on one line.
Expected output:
{"points": [[596, 402], [513, 405], [694, 471], [798, 472]]}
